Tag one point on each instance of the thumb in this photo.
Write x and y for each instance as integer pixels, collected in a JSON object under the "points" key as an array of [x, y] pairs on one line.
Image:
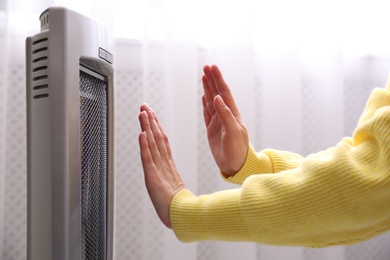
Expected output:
{"points": [[225, 114]]}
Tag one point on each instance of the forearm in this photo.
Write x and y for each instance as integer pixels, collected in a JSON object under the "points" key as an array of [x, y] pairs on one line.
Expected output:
{"points": [[203, 218]]}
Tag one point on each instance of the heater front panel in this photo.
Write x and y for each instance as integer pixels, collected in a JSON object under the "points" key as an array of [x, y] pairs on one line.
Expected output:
{"points": [[94, 164]]}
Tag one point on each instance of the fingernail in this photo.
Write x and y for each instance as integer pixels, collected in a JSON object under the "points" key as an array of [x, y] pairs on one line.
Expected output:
{"points": [[220, 100], [143, 114], [151, 115]]}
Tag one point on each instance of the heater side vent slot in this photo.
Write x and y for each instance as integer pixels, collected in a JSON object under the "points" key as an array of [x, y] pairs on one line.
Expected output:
{"points": [[40, 96], [40, 67], [45, 39]]}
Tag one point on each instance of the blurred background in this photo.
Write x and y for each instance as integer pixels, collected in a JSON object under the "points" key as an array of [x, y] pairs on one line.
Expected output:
{"points": [[301, 72]]}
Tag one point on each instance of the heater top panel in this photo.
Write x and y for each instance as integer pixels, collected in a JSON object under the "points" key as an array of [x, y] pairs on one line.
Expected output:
{"points": [[77, 36]]}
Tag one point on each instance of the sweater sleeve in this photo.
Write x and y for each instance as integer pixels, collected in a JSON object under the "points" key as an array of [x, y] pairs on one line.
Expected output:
{"points": [[266, 161], [336, 197]]}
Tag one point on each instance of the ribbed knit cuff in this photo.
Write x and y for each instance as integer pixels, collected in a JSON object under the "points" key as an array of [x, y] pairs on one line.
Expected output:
{"points": [[255, 163], [215, 216]]}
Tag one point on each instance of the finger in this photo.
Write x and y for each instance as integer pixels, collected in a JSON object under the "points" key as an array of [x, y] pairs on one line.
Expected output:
{"points": [[158, 135], [219, 82], [145, 120], [145, 107], [206, 114], [210, 80], [164, 137], [209, 97], [225, 114], [150, 115], [146, 157], [223, 89]]}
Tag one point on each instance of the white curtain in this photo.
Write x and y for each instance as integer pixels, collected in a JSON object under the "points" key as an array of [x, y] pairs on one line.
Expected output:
{"points": [[301, 72]]}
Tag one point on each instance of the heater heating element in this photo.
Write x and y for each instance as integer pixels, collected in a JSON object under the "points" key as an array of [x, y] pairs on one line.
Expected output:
{"points": [[94, 162], [70, 126]]}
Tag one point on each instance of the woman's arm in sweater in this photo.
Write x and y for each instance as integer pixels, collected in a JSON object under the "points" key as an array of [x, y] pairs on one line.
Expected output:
{"points": [[340, 196]]}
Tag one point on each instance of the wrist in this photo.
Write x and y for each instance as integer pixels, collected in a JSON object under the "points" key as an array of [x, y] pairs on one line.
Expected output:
{"points": [[255, 163]]}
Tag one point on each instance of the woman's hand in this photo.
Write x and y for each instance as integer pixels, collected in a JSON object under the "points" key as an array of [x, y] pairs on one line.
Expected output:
{"points": [[226, 131], [161, 176]]}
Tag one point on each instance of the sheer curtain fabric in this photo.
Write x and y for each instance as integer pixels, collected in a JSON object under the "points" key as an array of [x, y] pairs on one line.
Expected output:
{"points": [[301, 72]]}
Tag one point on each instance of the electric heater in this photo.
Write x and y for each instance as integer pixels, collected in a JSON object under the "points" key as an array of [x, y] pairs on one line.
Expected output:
{"points": [[69, 138]]}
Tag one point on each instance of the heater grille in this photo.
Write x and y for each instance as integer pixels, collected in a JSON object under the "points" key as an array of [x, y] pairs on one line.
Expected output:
{"points": [[94, 166]]}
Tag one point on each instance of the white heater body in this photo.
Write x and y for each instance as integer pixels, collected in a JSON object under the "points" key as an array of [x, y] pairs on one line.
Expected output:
{"points": [[70, 126]]}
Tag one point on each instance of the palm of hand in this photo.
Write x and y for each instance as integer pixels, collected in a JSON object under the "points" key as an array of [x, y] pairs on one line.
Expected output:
{"points": [[226, 131], [228, 145]]}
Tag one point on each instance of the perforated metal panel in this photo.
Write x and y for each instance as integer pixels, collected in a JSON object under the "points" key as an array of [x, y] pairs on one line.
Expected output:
{"points": [[94, 170]]}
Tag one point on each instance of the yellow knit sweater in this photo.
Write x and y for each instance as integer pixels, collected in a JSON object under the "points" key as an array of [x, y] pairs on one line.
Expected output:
{"points": [[335, 197]]}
